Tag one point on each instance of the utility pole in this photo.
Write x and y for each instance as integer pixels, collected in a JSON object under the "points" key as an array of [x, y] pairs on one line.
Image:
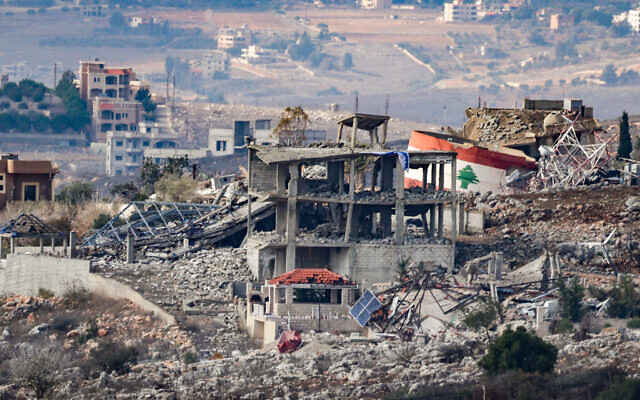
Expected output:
{"points": [[55, 74], [167, 88], [386, 105], [355, 107], [173, 106]]}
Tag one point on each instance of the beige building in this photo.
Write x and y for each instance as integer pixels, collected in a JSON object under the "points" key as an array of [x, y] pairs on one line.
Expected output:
{"points": [[98, 81], [229, 38], [115, 115], [126, 149], [303, 299], [461, 11], [375, 4]]}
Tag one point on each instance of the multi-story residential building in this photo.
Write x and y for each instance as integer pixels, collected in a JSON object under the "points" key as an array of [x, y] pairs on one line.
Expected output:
{"points": [[126, 149], [229, 38], [375, 4], [115, 115], [460, 11], [98, 81], [210, 63], [257, 55], [22, 180], [221, 141]]}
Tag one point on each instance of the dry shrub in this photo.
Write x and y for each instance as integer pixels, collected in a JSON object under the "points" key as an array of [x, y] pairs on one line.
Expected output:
{"points": [[87, 212], [176, 188]]}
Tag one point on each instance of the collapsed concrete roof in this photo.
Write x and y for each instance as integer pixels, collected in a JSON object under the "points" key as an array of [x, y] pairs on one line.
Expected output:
{"points": [[517, 127], [302, 276]]}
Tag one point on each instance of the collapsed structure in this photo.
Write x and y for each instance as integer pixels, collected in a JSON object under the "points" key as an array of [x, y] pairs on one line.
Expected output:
{"points": [[351, 218]]}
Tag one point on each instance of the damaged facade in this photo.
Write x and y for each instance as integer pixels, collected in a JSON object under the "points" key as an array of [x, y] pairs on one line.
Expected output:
{"points": [[351, 219]]}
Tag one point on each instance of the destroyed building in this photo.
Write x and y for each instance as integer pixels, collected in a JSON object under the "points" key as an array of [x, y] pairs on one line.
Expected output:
{"points": [[352, 218], [538, 122]]}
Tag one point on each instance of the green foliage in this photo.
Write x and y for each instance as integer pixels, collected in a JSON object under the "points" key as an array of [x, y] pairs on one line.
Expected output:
{"points": [[519, 350], [190, 357], [291, 126], [12, 91], [483, 318], [117, 21], [625, 300], [571, 299], [176, 165], [76, 193], [144, 97], [101, 220], [633, 323], [77, 115], [40, 122], [624, 138], [175, 188], [563, 325], [629, 389], [112, 357], [60, 123], [45, 293], [150, 173], [302, 49], [620, 30]]}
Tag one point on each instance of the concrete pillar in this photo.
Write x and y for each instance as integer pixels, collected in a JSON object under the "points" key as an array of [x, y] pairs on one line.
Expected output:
{"points": [[53, 244], [292, 216], [131, 251], [288, 295], [340, 173], [345, 296], [497, 265], [12, 245], [441, 183], [462, 217], [65, 245], [454, 209], [539, 317], [333, 293], [73, 241], [354, 131], [399, 186], [249, 186], [494, 291], [2, 255], [432, 221], [185, 243], [432, 183], [41, 245], [440, 219]]}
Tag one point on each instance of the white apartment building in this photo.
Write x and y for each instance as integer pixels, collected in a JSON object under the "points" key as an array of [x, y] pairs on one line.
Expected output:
{"points": [[221, 141], [126, 150], [257, 55], [459, 11], [229, 38], [210, 63], [375, 4]]}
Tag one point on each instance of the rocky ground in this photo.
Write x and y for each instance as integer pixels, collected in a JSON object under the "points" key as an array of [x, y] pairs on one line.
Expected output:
{"points": [[523, 225]]}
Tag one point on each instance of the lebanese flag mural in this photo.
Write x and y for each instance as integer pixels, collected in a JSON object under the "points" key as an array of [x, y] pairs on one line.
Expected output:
{"points": [[478, 168]]}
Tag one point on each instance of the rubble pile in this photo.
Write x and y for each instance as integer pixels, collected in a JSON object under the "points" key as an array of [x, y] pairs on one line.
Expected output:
{"points": [[573, 221], [493, 125]]}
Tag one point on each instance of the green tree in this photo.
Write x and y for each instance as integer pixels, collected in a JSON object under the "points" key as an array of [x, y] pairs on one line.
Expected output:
{"points": [[76, 193], [571, 299], [347, 61], [176, 165], [519, 350], [292, 125], [483, 318], [149, 174], [77, 112], [625, 300], [467, 177], [144, 97], [629, 389], [624, 138]]}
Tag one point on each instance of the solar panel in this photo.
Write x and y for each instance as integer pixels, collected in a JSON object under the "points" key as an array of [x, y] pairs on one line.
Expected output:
{"points": [[365, 307]]}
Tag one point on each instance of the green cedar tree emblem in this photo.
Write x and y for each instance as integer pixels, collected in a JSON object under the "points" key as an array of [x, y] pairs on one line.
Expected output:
{"points": [[467, 176]]}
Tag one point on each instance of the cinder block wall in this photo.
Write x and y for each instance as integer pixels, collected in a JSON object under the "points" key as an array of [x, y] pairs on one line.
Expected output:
{"points": [[378, 263], [25, 274]]}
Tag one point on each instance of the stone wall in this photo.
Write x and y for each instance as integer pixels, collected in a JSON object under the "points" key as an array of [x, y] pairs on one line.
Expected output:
{"points": [[263, 176], [26, 275], [377, 263]]}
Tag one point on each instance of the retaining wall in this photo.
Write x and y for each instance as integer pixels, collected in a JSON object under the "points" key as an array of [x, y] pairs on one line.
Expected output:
{"points": [[27, 274]]}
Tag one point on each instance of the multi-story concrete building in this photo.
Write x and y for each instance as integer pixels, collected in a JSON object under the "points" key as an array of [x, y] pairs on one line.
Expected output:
{"points": [[126, 149], [349, 228], [229, 38], [375, 4], [115, 115], [210, 63], [461, 11], [98, 81], [221, 142]]}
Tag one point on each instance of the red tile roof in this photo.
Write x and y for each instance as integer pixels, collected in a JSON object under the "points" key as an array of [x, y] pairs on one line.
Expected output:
{"points": [[310, 276]]}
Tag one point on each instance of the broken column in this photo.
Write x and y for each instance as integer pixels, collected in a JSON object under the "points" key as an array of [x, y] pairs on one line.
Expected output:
{"points": [[497, 265], [41, 245], [292, 216], [73, 239], [131, 251], [399, 178]]}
